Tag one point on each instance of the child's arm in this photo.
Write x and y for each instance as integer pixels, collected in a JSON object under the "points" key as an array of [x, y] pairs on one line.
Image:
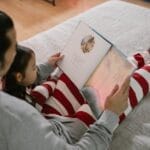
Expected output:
{"points": [[41, 93], [44, 70]]}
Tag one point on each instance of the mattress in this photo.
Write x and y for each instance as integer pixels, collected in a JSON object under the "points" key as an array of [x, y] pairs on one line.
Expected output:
{"points": [[127, 26]]}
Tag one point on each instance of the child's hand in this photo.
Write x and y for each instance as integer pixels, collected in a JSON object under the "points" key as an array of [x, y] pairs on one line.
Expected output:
{"points": [[52, 60]]}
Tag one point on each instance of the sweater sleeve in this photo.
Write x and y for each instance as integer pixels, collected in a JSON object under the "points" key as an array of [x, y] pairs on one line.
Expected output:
{"points": [[43, 72], [24, 128]]}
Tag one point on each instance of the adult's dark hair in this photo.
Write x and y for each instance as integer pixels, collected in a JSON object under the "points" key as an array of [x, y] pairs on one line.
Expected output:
{"points": [[10, 84], [6, 24]]}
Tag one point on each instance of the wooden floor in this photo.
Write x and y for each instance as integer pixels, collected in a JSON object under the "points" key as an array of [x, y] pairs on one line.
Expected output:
{"points": [[34, 16]]}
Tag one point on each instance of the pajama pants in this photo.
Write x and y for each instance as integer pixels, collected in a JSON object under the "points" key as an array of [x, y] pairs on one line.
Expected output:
{"points": [[140, 81], [61, 96]]}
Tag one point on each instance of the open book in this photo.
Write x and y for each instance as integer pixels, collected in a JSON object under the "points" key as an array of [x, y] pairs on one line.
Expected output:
{"points": [[92, 60]]}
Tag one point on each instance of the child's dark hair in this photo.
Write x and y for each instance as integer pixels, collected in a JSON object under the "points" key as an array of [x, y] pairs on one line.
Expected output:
{"points": [[10, 84]]}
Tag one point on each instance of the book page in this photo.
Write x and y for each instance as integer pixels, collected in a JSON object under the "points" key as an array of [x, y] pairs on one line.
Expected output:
{"points": [[112, 70], [82, 54]]}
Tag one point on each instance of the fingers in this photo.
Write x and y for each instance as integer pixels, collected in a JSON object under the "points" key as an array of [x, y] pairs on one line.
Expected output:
{"points": [[125, 85], [114, 90], [53, 60], [59, 58], [56, 55]]}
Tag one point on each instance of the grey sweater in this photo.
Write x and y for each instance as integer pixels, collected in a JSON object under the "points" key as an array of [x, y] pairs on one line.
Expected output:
{"points": [[22, 127]]}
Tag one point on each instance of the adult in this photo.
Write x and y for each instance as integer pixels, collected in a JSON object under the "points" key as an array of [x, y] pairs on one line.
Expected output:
{"points": [[23, 128]]}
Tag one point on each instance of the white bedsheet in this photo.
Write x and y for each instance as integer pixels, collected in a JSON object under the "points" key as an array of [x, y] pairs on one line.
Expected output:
{"points": [[128, 27]]}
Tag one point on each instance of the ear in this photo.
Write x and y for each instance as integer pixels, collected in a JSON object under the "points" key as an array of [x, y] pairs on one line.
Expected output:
{"points": [[19, 77]]}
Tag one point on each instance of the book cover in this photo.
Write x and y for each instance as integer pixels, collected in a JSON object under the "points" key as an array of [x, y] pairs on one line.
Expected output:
{"points": [[83, 52]]}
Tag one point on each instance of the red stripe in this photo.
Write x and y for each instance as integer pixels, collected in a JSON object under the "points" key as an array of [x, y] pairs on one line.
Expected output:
{"points": [[146, 67], [85, 117], [38, 98], [49, 110], [64, 101], [48, 87], [73, 89], [139, 58], [122, 117], [142, 82], [51, 79], [132, 98]]}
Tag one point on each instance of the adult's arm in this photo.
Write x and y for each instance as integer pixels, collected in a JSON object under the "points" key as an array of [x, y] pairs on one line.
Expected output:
{"points": [[23, 128]]}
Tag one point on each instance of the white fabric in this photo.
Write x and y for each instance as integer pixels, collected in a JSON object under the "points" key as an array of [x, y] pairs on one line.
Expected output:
{"points": [[86, 108], [128, 27], [43, 91], [53, 102], [144, 74], [137, 89], [70, 97]]}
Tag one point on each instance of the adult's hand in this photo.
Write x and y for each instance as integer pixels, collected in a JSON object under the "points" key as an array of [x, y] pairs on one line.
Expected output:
{"points": [[117, 101]]}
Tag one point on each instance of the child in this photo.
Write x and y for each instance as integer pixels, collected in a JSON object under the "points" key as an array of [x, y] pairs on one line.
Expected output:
{"points": [[24, 73]]}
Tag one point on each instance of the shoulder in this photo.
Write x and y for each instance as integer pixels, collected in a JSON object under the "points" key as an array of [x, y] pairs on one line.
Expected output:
{"points": [[12, 106], [16, 112]]}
